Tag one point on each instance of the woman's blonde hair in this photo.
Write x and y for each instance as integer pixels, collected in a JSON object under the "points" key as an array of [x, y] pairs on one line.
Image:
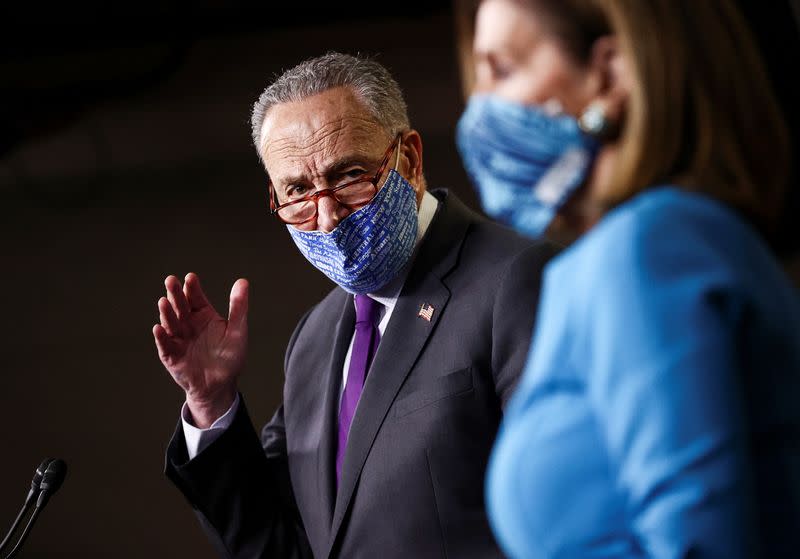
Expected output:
{"points": [[701, 114]]}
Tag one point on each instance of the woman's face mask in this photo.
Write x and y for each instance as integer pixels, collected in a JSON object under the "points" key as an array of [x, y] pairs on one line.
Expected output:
{"points": [[524, 162]]}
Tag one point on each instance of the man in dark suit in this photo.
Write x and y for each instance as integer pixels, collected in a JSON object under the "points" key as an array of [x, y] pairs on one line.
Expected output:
{"points": [[394, 383]]}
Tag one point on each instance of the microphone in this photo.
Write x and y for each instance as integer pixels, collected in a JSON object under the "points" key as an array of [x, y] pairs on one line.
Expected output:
{"points": [[32, 493], [50, 481]]}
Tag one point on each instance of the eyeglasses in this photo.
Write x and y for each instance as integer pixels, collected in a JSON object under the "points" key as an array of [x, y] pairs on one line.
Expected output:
{"points": [[352, 194]]}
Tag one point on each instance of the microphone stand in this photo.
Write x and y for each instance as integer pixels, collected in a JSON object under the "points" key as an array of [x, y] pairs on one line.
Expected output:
{"points": [[49, 477], [25, 532], [14, 526], [32, 494]]}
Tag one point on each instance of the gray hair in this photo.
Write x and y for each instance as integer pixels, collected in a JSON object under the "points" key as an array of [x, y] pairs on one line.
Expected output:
{"points": [[370, 81]]}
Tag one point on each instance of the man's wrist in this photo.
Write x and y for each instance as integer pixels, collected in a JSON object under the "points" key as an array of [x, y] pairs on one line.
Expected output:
{"points": [[205, 411]]}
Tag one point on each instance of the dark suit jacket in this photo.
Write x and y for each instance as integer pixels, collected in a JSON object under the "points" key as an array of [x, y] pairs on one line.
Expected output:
{"points": [[412, 479]]}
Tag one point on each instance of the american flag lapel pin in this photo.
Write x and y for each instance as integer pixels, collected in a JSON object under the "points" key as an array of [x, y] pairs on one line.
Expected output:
{"points": [[426, 312]]}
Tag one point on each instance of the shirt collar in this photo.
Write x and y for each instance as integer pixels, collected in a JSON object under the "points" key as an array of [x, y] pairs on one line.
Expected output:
{"points": [[388, 294]]}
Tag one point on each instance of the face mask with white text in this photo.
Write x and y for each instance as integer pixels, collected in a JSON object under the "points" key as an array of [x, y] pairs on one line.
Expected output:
{"points": [[369, 247]]}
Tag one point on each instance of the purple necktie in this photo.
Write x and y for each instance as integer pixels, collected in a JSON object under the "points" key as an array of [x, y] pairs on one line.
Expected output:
{"points": [[364, 346]]}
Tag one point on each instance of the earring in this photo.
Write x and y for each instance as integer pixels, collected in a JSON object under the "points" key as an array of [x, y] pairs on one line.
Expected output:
{"points": [[593, 121]]}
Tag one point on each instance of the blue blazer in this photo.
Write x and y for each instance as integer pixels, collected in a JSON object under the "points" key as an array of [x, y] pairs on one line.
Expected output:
{"points": [[659, 413]]}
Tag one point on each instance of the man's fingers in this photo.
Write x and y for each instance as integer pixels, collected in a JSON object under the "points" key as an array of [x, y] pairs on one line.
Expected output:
{"points": [[167, 347], [237, 312], [194, 293], [168, 318], [176, 297]]}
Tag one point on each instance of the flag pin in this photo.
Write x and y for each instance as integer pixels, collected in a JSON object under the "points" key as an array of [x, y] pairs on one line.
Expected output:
{"points": [[426, 312]]}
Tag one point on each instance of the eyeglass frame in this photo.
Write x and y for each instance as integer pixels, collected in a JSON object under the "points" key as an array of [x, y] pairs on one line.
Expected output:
{"points": [[373, 180]]}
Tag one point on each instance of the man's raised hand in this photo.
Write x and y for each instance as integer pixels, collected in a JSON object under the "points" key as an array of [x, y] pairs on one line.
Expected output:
{"points": [[202, 351]]}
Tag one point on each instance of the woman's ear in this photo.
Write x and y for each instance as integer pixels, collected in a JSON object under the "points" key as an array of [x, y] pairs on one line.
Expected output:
{"points": [[609, 83]]}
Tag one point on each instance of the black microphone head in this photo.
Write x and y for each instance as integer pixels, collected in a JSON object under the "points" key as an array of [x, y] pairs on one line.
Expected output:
{"points": [[37, 477], [54, 476]]}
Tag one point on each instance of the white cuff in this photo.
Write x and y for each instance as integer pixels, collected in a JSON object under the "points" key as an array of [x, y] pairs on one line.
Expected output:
{"points": [[198, 440]]}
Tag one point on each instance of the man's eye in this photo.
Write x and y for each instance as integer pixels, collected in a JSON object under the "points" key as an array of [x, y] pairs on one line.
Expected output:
{"points": [[354, 173], [350, 175], [297, 191]]}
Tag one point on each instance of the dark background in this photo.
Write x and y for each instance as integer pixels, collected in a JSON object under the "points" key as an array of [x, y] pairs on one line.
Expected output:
{"points": [[125, 156]]}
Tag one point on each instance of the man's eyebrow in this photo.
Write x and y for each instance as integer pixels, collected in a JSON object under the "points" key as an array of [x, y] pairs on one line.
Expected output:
{"points": [[350, 161], [333, 169]]}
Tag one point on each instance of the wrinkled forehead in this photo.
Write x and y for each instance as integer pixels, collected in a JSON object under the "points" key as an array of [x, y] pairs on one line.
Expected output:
{"points": [[304, 137]]}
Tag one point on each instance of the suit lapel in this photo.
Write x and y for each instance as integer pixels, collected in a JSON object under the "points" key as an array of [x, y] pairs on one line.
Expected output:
{"points": [[327, 448], [401, 344]]}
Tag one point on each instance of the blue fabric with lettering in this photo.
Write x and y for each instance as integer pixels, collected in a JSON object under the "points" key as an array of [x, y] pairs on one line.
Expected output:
{"points": [[370, 246]]}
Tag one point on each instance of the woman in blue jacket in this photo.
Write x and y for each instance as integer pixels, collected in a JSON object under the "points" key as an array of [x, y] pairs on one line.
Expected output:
{"points": [[659, 415]]}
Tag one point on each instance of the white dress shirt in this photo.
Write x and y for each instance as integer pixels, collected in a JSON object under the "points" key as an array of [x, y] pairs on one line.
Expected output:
{"points": [[199, 439]]}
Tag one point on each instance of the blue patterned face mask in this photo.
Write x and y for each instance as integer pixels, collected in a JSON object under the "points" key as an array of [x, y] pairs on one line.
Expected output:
{"points": [[371, 245], [524, 162]]}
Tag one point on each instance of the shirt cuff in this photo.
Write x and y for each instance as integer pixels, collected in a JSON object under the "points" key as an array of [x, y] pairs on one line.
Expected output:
{"points": [[198, 440]]}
